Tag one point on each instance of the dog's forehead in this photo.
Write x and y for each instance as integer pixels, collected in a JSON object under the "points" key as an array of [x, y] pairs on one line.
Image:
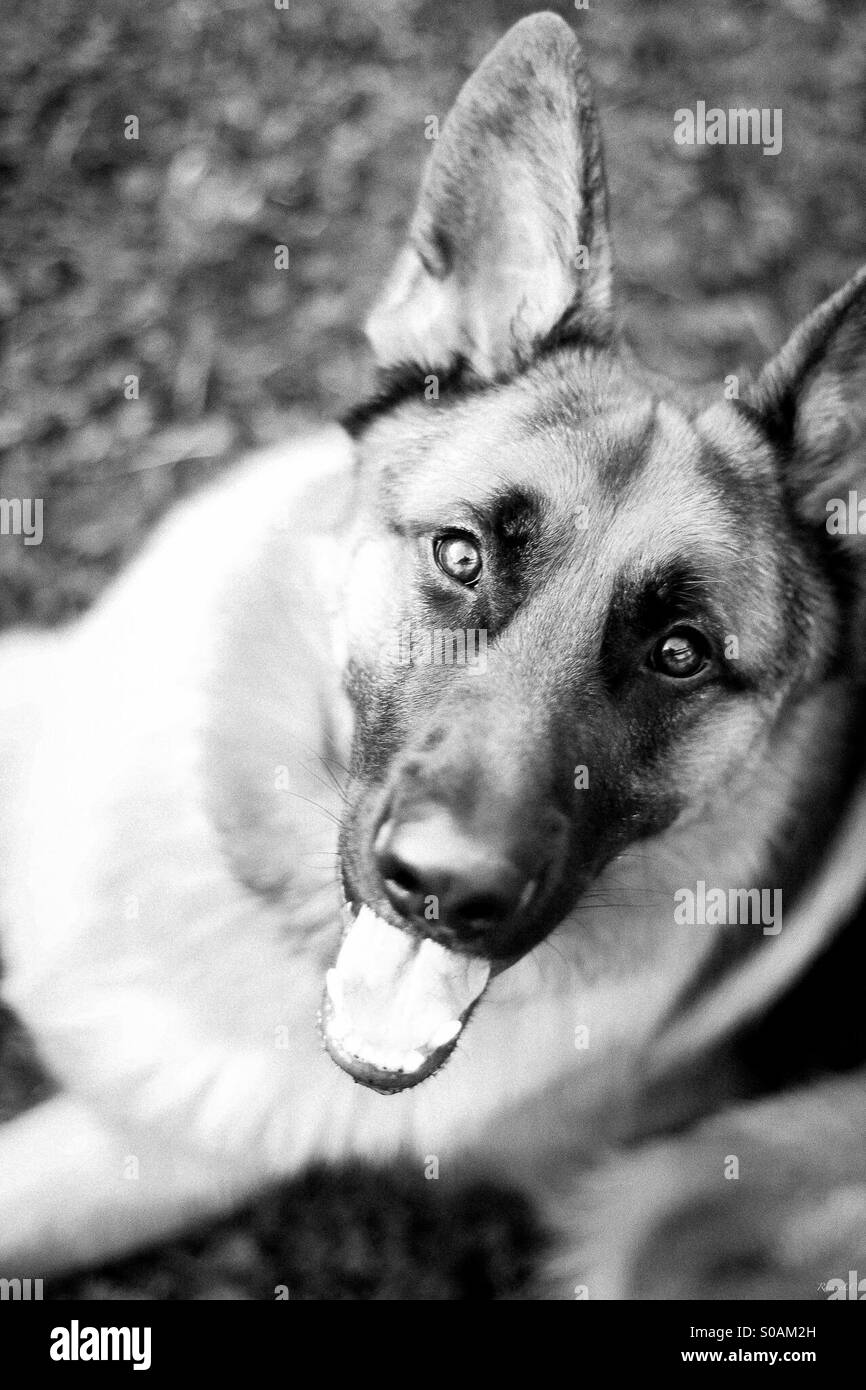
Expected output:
{"points": [[604, 461], [647, 486], [622, 496], [637, 457]]}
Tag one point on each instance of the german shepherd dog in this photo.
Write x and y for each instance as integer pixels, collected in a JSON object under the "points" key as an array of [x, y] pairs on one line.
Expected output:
{"points": [[454, 782]]}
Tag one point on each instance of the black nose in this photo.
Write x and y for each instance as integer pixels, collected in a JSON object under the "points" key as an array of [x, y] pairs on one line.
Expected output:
{"points": [[434, 870]]}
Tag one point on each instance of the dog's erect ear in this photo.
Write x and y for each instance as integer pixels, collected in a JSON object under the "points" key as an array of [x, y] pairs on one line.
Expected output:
{"points": [[812, 400], [509, 243]]}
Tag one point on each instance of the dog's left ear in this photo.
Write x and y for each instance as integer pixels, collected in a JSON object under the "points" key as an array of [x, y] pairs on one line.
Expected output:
{"points": [[811, 400], [509, 244]]}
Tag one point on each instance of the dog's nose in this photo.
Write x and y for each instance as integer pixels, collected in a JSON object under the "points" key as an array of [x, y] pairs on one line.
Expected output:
{"points": [[434, 871]]}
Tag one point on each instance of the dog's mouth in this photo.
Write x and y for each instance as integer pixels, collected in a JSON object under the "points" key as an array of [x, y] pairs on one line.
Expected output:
{"points": [[394, 1004]]}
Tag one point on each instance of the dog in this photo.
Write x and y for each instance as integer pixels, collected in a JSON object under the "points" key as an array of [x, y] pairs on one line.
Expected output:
{"points": [[406, 794]]}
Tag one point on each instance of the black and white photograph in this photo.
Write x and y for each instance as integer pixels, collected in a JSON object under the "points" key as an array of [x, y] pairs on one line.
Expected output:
{"points": [[433, 662]]}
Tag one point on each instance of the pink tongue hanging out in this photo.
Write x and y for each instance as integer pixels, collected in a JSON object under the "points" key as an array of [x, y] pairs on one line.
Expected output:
{"points": [[394, 1006]]}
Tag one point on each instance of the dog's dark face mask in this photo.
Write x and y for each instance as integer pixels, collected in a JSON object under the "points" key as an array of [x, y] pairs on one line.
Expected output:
{"points": [[575, 612]]}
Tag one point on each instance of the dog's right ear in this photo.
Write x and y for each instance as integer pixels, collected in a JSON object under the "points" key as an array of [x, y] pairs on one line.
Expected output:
{"points": [[509, 245]]}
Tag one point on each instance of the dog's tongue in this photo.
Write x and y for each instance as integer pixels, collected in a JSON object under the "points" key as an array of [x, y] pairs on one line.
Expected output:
{"points": [[394, 1002]]}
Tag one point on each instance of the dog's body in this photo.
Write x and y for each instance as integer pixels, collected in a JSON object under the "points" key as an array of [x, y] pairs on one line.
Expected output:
{"points": [[176, 767]]}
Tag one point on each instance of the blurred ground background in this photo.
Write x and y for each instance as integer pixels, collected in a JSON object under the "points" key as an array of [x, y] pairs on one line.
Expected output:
{"points": [[155, 257]]}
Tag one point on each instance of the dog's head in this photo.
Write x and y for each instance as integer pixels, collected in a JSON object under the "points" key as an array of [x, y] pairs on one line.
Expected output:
{"points": [[576, 608]]}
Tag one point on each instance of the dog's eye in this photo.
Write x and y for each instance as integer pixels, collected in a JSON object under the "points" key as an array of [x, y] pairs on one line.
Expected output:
{"points": [[458, 556], [683, 653]]}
